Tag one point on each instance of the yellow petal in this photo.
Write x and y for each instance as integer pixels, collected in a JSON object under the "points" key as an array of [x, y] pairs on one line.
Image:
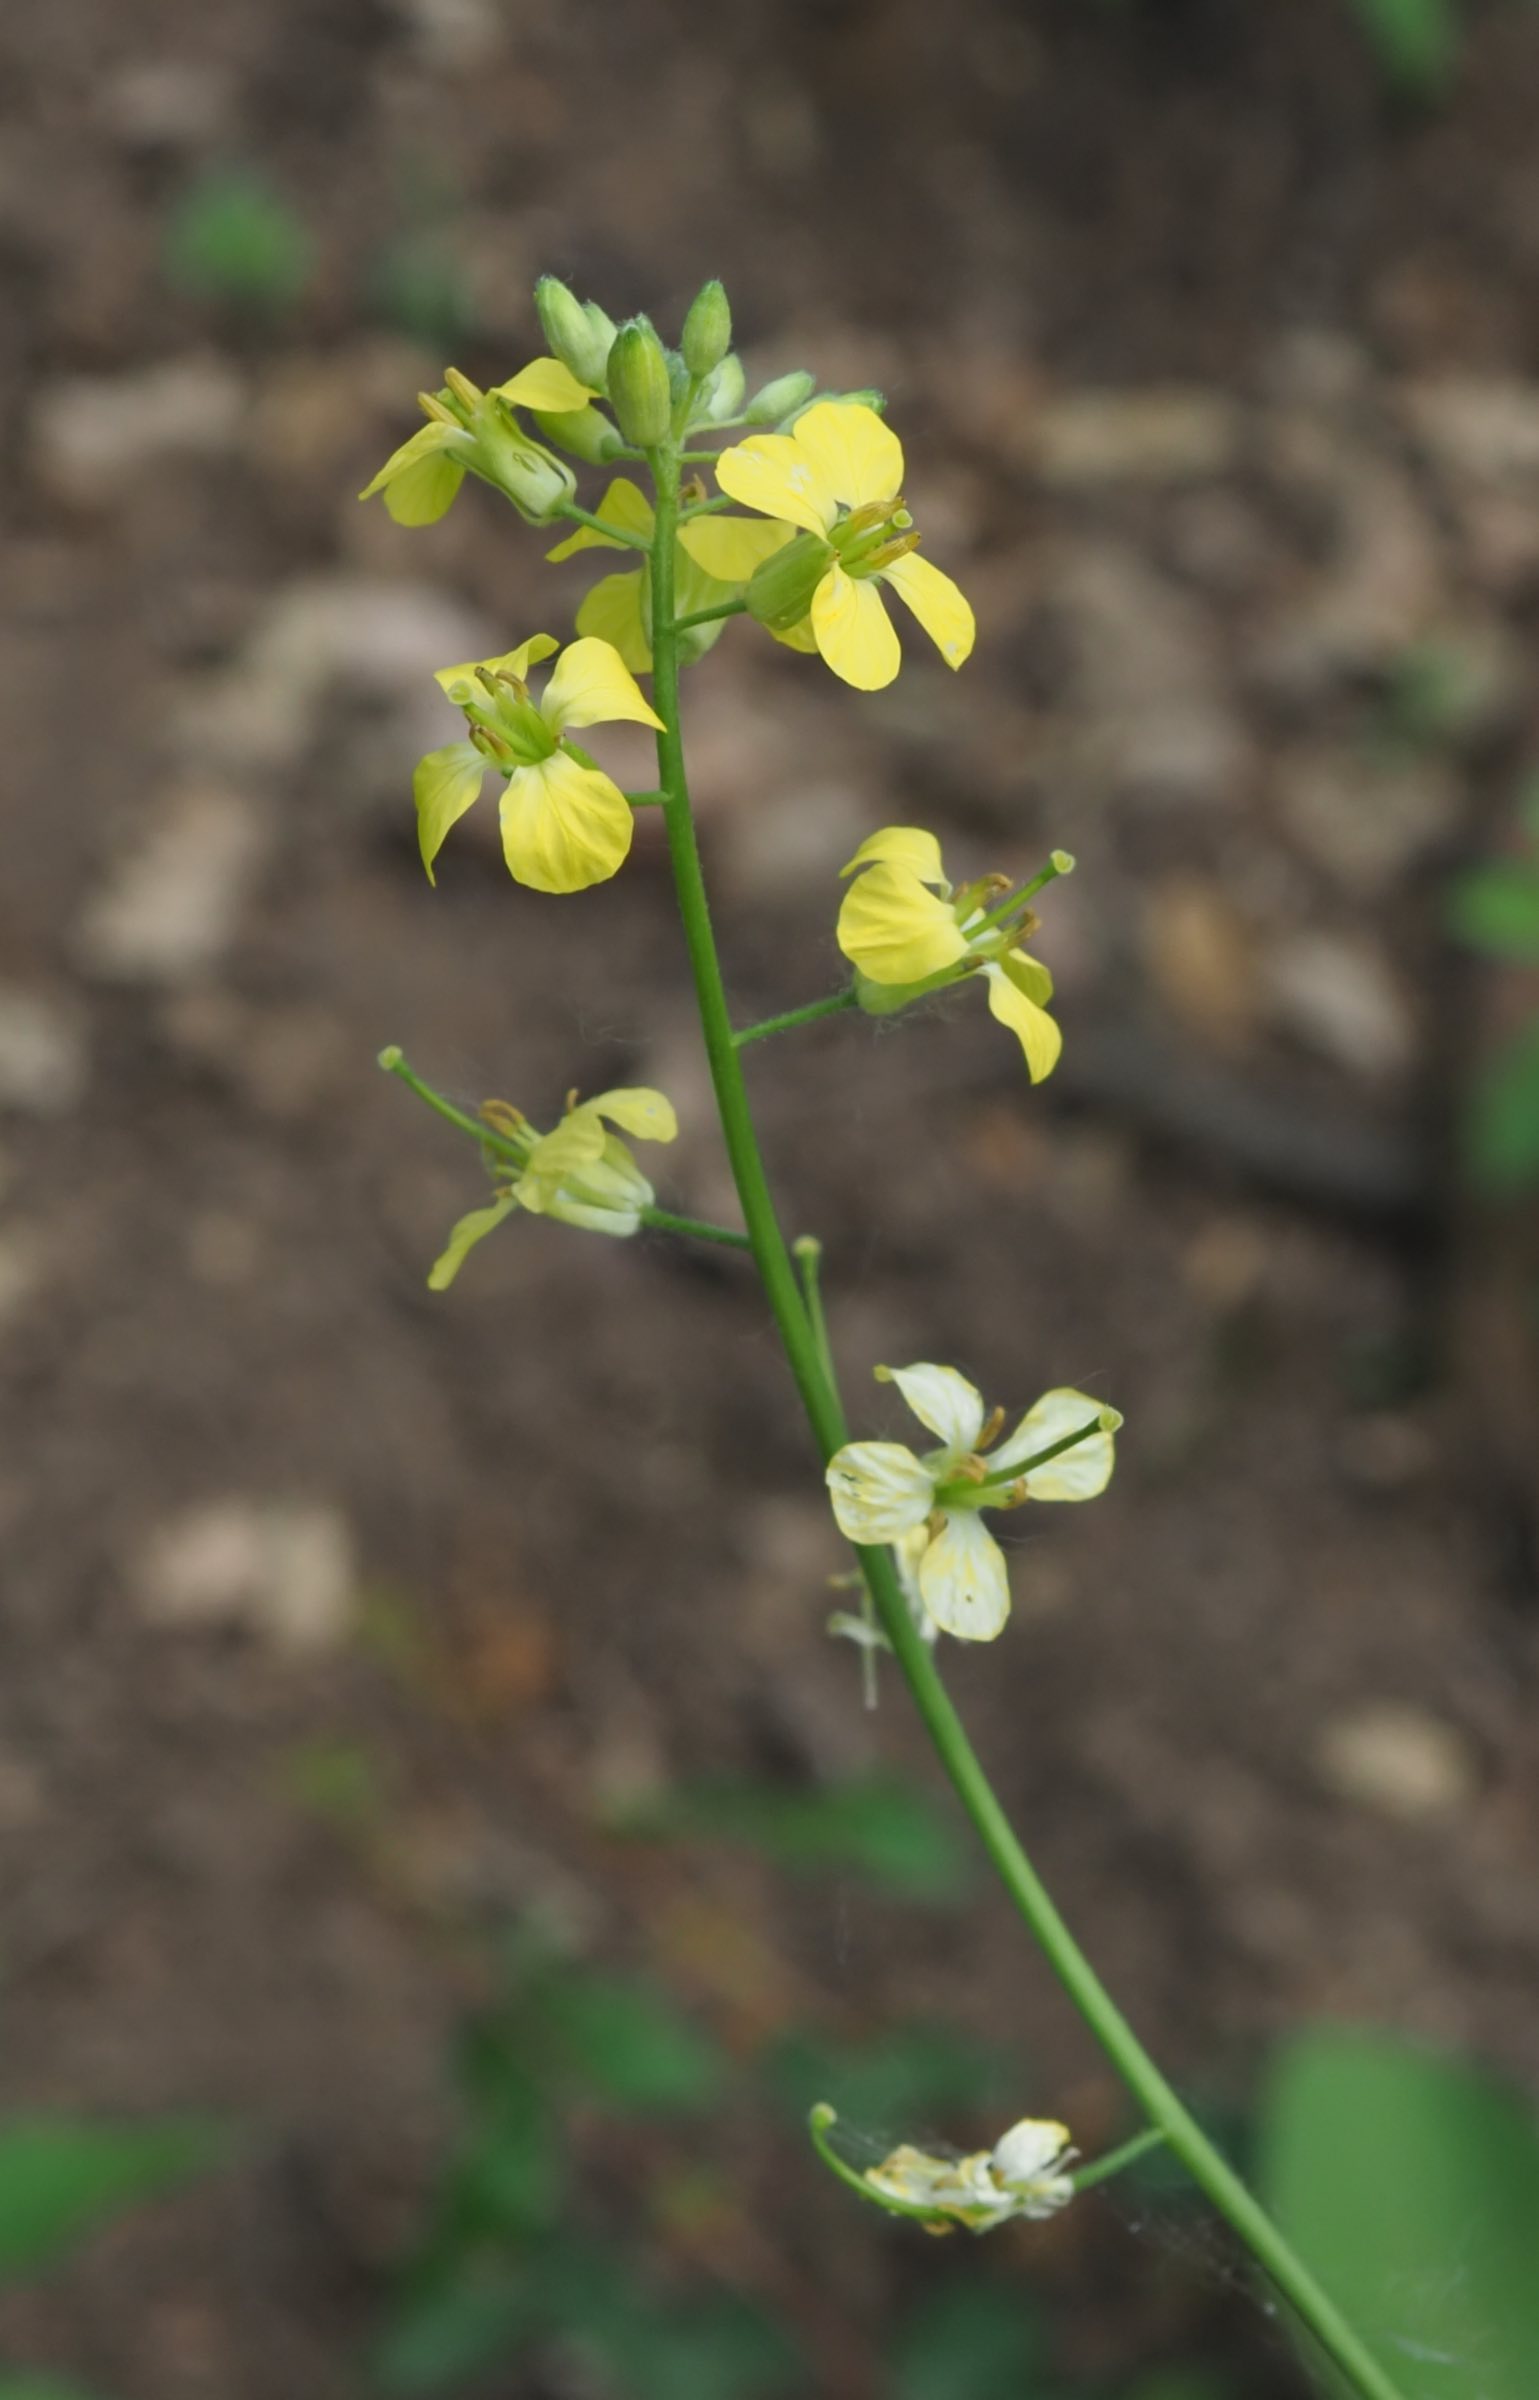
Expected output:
{"points": [[463, 1239], [625, 505], [576, 1142], [545, 383], [945, 1403], [459, 683], [800, 637], [445, 784], [962, 1579], [564, 826], [854, 631], [1036, 1031], [646, 1114], [937, 603], [429, 441], [770, 473], [612, 612], [731, 547], [420, 479], [1077, 1474], [902, 846], [894, 930], [1029, 976], [592, 685], [852, 452], [879, 1490]]}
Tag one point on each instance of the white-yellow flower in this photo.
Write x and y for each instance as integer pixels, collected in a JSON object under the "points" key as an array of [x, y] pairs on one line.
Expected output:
{"points": [[1062, 1449], [565, 824], [579, 1172], [1024, 2175], [836, 479], [905, 931]]}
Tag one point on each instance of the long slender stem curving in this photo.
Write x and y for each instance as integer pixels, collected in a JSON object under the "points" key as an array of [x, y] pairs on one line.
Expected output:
{"points": [[790, 1018], [1166, 2112]]}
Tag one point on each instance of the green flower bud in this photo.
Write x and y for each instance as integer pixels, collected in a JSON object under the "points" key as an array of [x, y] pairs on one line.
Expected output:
{"points": [[638, 385], [679, 377], [570, 331], [603, 333], [534, 479], [780, 591], [586, 432], [866, 399], [723, 394], [707, 330], [777, 399]]}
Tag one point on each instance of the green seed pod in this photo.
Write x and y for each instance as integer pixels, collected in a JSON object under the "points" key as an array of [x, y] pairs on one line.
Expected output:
{"points": [[585, 432], [707, 330], [723, 394], [777, 399], [780, 591], [638, 385], [570, 332]]}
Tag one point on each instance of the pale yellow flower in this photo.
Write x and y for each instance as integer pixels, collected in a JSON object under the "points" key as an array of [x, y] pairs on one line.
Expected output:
{"points": [[1024, 2175], [471, 432], [1062, 1449], [579, 1172], [565, 824], [837, 477], [905, 931]]}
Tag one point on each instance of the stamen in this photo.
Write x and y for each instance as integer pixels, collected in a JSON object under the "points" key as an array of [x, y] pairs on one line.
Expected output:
{"points": [[992, 1428], [463, 389]]}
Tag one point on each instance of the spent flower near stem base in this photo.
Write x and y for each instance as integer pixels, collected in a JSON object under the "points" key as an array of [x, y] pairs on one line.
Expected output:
{"points": [[1024, 2175], [580, 1172]]}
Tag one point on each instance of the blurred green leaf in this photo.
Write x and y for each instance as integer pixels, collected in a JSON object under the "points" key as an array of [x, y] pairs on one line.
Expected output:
{"points": [[59, 2177], [418, 286], [1504, 1116], [1416, 42], [873, 1825], [442, 2336], [232, 237], [970, 2339], [39, 2387], [1496, 909], [1179, 2383], [629, 2045], [896, 2080], [1411, 2184]]}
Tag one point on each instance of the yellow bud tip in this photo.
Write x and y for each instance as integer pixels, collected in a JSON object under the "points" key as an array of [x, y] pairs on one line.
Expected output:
{"points": [[391, 1057], [882, 1374], [1063, 862]]}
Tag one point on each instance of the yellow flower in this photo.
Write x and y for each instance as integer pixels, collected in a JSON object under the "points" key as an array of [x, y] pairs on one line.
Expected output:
{"points": [[1062, 1449], [564, 823], [619, 607], [905, 931], [580, 1172], [471, 432], [1024, 2175], [837, 477]]}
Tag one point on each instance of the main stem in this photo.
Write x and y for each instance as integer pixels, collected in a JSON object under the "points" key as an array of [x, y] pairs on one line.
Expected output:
{"points": [[825, 1414]]}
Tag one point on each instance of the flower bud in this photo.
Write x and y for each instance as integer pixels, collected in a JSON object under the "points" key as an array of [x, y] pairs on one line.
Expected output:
{"points": [[585, 432], [603, 326], [707, 330], [777, 399], [723, 394], [570, 331], [638, 385], [780, 591], [534, 479], [867, 399]]}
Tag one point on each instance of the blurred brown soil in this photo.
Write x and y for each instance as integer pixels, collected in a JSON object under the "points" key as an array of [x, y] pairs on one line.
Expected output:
{"points": [[1219, 378]]}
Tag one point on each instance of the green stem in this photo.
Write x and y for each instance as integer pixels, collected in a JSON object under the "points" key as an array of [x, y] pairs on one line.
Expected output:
{"points": [[708, 616], [662, 1220], [796, 1016], [825, 1415], [646, 799], [611, 533], [1101, 2170]]}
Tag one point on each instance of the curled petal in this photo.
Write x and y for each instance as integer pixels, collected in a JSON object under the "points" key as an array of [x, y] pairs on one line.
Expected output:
{"points": [[729, 548], [1037, 1032], [854, 631], [463, 1239], [577, 1142], [1031, 2148], [773, 474], [625, 505], [564, 826], [852, 451], [935, 600], [545, 384], [420, 479], [446, 783], [591, 685], [943, 1401], [902, 846], [894, 930], [638, 1110], [962, 1579], [879, 1490], [612, 611], [1077, 1474]]}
